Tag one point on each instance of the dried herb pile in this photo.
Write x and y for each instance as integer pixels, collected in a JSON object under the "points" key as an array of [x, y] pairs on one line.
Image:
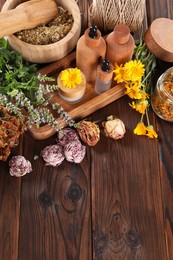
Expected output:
{"points": [[49, 33]]}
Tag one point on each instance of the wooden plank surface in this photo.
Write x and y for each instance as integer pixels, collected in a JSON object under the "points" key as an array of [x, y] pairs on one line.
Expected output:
{"points": [[126, 195], [116, 205], [55, 205]]}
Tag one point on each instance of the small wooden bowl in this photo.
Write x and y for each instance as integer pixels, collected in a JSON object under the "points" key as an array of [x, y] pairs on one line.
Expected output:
{"points": [[159, 39], [50, 52]]}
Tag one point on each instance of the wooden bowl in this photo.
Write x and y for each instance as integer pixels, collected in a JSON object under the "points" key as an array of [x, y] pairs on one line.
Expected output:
{"points": [[159, 39], [50, 52]]}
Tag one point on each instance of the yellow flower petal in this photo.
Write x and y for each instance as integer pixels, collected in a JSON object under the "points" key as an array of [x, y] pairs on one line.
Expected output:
{"points": [[140, 106], [119, 72], [134, 69], [71, 77], [151, 133], [140, 129], [133, 90]]}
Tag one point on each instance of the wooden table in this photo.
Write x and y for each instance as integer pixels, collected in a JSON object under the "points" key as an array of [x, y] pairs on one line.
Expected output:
{"points": [[116, 205]]}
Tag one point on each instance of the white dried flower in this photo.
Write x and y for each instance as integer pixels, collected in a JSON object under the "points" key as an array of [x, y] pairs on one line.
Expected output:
{"points": [[114, 128]]}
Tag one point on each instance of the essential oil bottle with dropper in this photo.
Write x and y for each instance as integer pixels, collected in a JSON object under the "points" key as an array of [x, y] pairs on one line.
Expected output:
{"points": [[90, 49], [104, 77]]}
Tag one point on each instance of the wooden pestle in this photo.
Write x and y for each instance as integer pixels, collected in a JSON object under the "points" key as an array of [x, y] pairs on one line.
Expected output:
{"points": [[27, 15]]}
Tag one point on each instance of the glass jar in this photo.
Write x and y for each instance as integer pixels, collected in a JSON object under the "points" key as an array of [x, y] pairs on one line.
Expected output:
{"points": [[162, 97]]}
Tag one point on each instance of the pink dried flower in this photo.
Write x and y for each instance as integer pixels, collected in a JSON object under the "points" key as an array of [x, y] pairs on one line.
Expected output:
{"points": [[19, 166], [53, 155], [74, 151], [67, 135]]}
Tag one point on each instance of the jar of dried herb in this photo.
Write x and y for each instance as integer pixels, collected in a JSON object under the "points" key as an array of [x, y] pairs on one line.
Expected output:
{"points": [[162, 97]]}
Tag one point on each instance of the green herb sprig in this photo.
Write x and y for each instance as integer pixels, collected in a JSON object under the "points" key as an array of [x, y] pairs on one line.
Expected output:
{"points": [[22, 87], [142, 53]]}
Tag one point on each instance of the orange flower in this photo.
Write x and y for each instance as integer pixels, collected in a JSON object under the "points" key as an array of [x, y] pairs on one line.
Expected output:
{"points": [[151, 133], [140, 129]]}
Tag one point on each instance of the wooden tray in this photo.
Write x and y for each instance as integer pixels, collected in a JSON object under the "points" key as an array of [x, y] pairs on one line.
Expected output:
{"points": [[89, 104]]}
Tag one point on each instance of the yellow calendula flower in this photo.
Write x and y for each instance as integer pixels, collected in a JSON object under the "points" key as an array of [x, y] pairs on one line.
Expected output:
{"points": [[140, 106], [144, 95], [151, 133], [140, 129], [133, 90], [119, 73], [134, 70], [71, 77]]}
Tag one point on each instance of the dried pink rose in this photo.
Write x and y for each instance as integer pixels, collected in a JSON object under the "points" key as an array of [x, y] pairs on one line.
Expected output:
{"points": [[67, 135], [114, 128], [19, 166], [53, 155], [74, 151]]}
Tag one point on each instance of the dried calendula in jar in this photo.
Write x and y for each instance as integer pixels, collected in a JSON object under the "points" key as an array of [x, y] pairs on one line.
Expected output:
{"points": [[162, 97]]}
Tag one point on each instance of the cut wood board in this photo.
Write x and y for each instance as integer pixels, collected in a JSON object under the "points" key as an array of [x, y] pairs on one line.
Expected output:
{"points": [[89, 104]]}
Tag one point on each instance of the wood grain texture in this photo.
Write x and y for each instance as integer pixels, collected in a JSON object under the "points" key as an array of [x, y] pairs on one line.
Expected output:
{"points": [[166, 164], [116, 205], [10, 188], [126, 194], [55, 203]]}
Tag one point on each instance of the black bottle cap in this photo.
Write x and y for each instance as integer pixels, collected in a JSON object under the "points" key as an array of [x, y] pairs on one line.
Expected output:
{"points": [[105, 65], [93, 31]]}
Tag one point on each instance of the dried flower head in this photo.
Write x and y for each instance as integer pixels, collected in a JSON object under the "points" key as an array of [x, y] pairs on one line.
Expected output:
{"points": [[53, 155], [89, 132], [19, 166], [74, 151], [11, 127], [114, 128]]}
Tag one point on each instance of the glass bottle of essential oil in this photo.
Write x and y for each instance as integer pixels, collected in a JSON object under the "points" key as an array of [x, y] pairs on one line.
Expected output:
{"points": [[104, 77], [162, 97]]}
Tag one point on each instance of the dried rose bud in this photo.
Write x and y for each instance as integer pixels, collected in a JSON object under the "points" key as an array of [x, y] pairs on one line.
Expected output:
{"points": [[66, 135], [114, 128], [19, 166], [74, 151], [89, 132], [53, 155]]}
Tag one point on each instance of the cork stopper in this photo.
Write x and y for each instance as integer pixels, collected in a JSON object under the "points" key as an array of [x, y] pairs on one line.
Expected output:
{"points": [[105, 71], [92, 37], [121, 33]]}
